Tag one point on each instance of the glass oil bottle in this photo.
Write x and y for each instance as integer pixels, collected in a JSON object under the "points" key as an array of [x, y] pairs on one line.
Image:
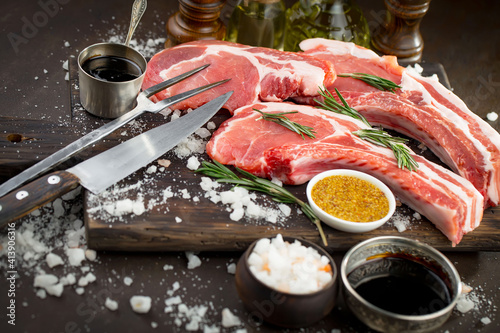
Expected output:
{"points": [[258, 23], [331, 19]]}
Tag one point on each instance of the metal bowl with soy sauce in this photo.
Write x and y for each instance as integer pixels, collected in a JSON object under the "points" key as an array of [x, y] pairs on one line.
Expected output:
{"points": [[395, 284]]}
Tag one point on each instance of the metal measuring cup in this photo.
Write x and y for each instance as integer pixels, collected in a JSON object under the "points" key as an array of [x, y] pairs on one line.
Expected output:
{"points": [[109, 99]]}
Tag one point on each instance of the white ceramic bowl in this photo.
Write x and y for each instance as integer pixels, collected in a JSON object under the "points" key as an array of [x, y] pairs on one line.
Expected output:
{"points": [[348, 226]]}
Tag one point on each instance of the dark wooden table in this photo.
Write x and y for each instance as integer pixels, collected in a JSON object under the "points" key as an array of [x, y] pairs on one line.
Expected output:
{"points": [[35, 98]]}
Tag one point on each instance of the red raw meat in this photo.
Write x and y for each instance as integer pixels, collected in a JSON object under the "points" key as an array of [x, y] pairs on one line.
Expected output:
{"points": [[256, 73], [423, 109], [267, 149]]}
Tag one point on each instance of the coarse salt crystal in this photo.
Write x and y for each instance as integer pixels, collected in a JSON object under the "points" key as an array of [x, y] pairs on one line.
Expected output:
{"points": [[231, 268], [55, 290], [203, 133], [178, 219], [173, 301], [91, 255], [152, 169], [53, 260], [140, 304], [229, 319], [193, 163], [492, 116], [193, 260], [75, 256], [111, 304], [211, 329], [127, 280], [44, 280], [464, 304], [486, 320]]}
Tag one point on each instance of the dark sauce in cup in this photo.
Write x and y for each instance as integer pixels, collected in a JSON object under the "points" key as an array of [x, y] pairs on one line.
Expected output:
{"points": [[401, 285], [112, 68]]}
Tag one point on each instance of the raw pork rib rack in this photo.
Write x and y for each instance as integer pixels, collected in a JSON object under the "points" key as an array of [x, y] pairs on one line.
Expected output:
{"points": [[422, 109], [269, 150]]}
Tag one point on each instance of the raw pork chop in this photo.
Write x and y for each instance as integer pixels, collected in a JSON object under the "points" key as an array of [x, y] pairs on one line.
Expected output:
{"points": [[267, 149], [256, 73], [423, 109]]}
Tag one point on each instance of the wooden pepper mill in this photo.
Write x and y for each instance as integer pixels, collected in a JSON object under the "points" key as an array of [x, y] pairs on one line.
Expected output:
{"points": [[400, 33], [196, 19]]}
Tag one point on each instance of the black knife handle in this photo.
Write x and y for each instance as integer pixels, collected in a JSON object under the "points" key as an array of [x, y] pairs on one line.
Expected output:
{"points": [[34, 195]]}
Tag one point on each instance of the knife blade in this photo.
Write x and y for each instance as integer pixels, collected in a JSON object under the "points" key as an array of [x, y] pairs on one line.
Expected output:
{"points": [[143, 105], [103, 170]]}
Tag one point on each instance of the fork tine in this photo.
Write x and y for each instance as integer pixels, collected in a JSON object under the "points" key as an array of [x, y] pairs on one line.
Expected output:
{"points": [[182, 96], [170, 82]]}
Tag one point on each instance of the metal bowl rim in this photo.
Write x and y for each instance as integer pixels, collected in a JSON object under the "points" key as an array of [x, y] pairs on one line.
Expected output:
{"points": [[414, 243]]}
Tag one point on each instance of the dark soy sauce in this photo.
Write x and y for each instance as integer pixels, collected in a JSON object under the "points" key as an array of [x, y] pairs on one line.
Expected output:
{"points": [[112, 68], [400, 285]]}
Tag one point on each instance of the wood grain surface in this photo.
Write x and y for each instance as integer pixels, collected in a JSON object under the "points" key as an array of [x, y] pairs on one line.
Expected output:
{"points": [[207, 226]]}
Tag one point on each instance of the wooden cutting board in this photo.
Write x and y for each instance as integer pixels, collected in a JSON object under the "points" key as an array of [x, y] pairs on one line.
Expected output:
{"points": [[190, 221]]}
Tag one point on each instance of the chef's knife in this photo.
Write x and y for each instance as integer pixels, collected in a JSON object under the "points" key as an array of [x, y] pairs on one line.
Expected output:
{"points": [[144, 104], [103, 170]]}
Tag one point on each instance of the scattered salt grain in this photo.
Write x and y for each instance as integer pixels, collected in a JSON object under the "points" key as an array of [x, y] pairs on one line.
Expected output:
{"points": [[127, 280], [486, 320], [229, 319], [44, 280], [53, 260], [465, 304], [492, 116], [203, 132], [91, 255], [152, 169], [211, 125], [178, 219], [41, 293], [154, 324], [211, 329], [55, 290], [69, 279], [400, 221], [164, 163], [173, 301], [168, 267], [75, 256], [140, 304], [231, 268], [80, 290], [193, 260], [65, 65], [66, 44], [111, 304], [193, 163]]}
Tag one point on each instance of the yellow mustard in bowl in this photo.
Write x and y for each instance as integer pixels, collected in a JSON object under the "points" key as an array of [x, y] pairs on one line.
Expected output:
{"points": [[350, 198]]}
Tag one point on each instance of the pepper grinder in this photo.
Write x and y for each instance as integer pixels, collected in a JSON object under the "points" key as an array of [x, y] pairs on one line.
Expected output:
{"points": [[196, 19], [400, 33]]}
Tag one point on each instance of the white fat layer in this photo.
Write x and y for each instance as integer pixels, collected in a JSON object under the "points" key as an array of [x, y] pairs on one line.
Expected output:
{"points": [[410, 83], [338, 48]]}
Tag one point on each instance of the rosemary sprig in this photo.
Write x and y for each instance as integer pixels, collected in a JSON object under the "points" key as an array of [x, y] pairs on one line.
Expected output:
{"points": [[384, 139], [376, 136], [281, 119], [251, 182], [331, 104], [373, 80]]}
